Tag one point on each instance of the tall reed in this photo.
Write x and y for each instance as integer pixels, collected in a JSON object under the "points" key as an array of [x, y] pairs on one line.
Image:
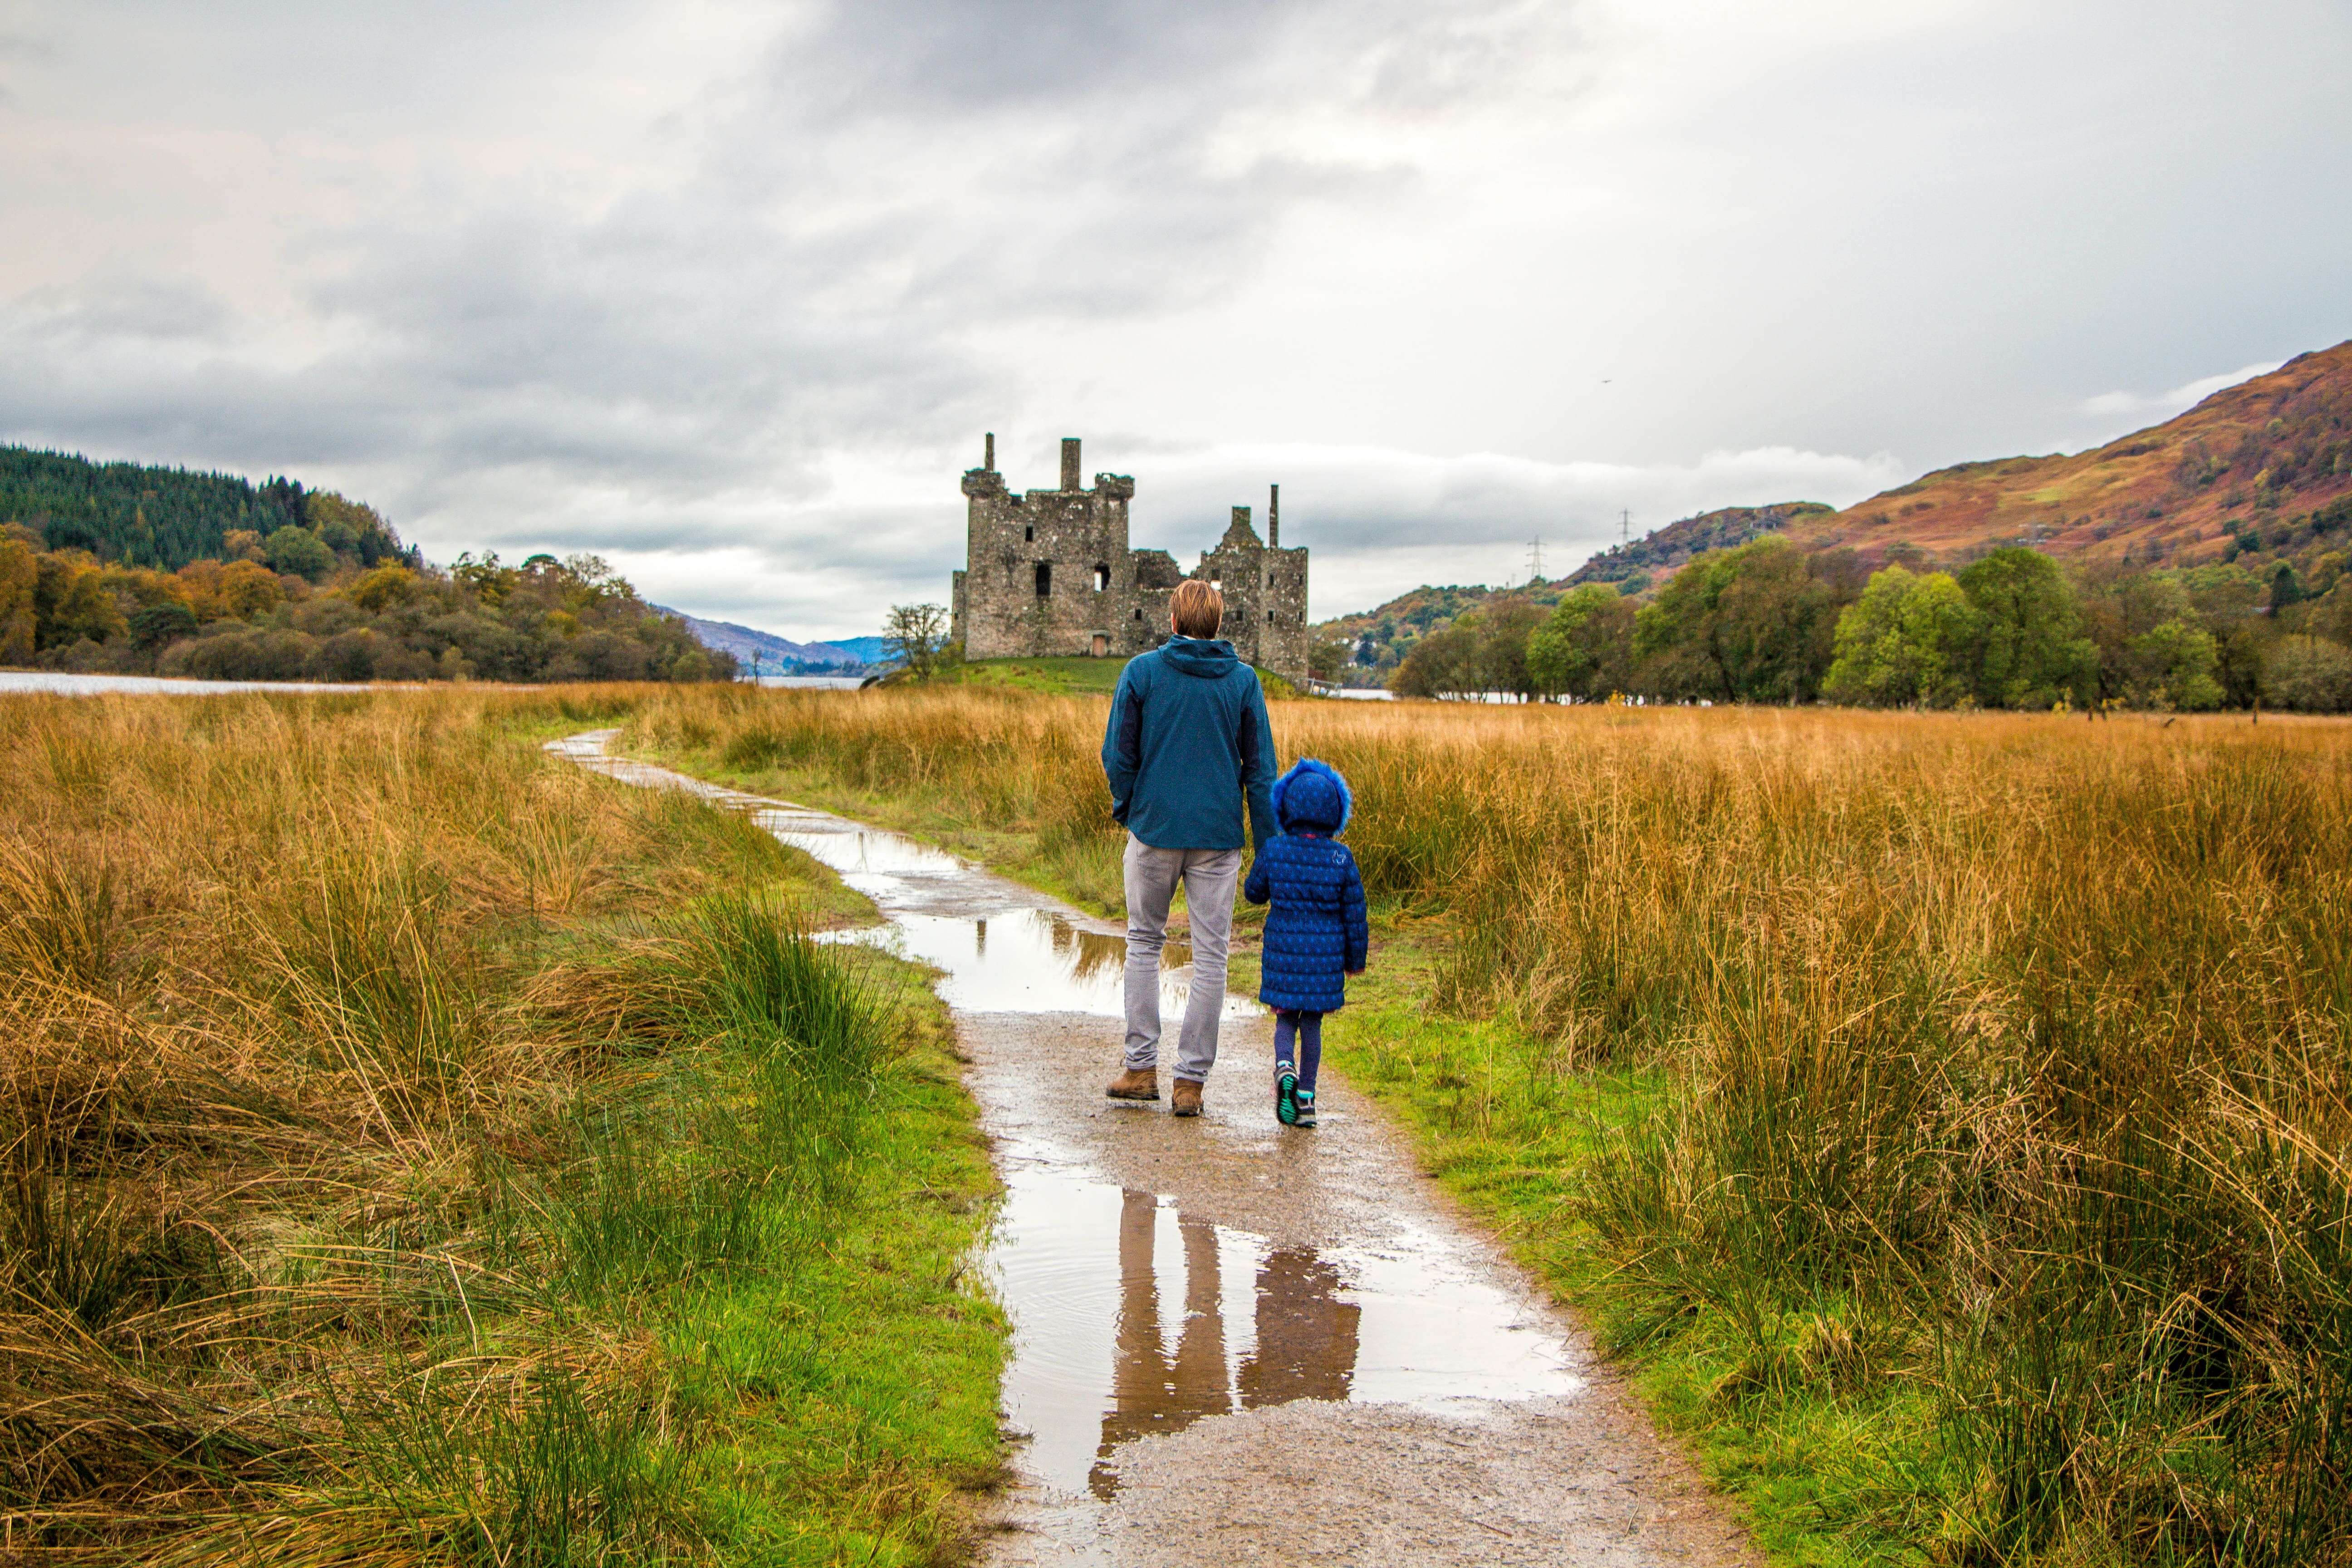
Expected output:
{"points": [[367, 1081], [2007, 1055]]}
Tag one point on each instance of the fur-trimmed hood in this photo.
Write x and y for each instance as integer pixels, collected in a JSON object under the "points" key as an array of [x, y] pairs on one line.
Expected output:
{"points": [[1312, 795]]}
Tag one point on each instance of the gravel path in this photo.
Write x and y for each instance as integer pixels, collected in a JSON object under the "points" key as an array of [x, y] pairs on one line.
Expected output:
{"points": [[1235, 1342], [1572, 1476]]}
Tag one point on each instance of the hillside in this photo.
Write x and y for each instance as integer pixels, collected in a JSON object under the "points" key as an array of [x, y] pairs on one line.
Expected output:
{"points": [[1383, 636], [1379, 638], [2249, 468], [2247, 460], [1665, 549], [120, 568], [140, 515]]}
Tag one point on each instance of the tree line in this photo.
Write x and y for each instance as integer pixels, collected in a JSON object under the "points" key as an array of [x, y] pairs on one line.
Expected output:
{"points": [[334, 596], [140, 515], [1768, 622]]}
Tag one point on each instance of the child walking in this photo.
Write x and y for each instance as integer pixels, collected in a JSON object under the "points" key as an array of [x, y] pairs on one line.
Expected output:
{"points": [[1315, 934]]}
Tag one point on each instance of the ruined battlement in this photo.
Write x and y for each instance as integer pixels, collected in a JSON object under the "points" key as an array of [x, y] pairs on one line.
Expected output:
{"points": [[1050, 573]]}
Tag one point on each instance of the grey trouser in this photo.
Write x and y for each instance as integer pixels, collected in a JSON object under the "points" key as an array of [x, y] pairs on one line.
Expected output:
{"points": [[1209, 876]]}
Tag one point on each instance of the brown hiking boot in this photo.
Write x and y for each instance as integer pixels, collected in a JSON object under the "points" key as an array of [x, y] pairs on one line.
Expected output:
{"points": [[1135, 1083], [1187, 1101]]}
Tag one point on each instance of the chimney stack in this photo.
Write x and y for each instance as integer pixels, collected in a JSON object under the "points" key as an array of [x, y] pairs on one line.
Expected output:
{"points": [[989, 462], [1070, 464], [1274, 518], [1241, 519]]}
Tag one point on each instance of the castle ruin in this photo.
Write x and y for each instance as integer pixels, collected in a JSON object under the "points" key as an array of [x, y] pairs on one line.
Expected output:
{"points": [[1049, 572]]}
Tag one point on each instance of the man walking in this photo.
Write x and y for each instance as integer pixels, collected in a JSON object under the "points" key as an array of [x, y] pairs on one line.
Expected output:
{"points": [[1187, 741]]}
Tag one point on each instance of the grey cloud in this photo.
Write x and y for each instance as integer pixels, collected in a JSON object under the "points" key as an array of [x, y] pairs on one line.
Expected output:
{"points": [[703, 374], [911, 57], [1071, 162], [901, 55], [151, 310], [799, 291]]}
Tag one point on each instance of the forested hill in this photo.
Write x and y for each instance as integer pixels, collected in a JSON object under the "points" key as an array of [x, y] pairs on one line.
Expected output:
{"points": [[1662, 550], [166, 518], [115, 568]]}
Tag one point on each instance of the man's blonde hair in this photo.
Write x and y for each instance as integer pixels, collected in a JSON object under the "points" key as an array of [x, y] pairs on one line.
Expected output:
{"points": [[1197, 608]]}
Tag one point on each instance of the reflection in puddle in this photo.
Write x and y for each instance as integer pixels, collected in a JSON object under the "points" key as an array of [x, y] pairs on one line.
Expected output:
{"points": [[1304, 1345], [1129, 1317]]}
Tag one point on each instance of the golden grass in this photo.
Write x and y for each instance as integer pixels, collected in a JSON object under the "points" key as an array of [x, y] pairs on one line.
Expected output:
{"points": [[322, 1021], [2006, 1057]]}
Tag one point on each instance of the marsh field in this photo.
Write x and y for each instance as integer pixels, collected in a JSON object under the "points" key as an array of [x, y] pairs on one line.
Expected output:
{"points": [[1946, 1112], [419, 1150]]}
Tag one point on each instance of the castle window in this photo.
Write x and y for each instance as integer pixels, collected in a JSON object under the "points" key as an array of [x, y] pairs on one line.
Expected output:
{"points": [[1029, 535], [1269, 616], [1102, 576], [1138, 615], [1045, 578]]}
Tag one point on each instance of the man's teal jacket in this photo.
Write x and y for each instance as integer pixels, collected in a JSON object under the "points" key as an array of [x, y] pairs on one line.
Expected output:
{"points": [[1187, 741]]}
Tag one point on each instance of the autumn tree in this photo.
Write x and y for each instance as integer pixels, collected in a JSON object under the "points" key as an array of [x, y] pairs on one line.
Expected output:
{"points": [[1909, 639], [1751, 625], [2034, 652], [1586, 648]]}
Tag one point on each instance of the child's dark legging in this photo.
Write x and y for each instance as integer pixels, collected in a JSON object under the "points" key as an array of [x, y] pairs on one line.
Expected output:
{"points": [[1307, 1029]]}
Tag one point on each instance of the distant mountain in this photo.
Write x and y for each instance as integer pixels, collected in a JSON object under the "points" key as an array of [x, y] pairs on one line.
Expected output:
{"points": [[743, 642], [2247, 461], [864, 650]]}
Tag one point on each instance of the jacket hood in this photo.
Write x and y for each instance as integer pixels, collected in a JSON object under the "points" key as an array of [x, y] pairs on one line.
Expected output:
{"points": [[1313, 795], [1201, 656]]}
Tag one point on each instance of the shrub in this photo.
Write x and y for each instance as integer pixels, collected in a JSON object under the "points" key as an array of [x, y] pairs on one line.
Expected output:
{"points": [[2310, 674], [299, 552]]}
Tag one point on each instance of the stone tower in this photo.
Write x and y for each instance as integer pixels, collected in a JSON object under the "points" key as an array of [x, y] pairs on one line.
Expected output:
{"points": [[1264, 590], [1050, 573]]}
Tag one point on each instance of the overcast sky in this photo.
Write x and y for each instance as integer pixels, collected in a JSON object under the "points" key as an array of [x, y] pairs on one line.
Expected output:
{"points": [[727, 291]]}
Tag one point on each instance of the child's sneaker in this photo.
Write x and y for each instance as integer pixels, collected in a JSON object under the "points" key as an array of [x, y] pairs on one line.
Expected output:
{"points": [[1302, 1103], [1285, 1094]]}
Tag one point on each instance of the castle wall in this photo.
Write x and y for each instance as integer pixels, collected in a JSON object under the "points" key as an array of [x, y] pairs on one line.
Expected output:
{"points": [[1155, 576], [1050, 573], [1046, 571]]}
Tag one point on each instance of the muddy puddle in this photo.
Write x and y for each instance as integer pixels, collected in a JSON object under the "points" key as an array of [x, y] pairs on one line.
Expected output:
{"points": [[1135, 1313], [1133, 1317]]}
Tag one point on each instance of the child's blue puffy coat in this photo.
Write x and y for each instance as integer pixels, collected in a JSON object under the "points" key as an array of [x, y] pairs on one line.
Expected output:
{"points": [[1314, 932]]}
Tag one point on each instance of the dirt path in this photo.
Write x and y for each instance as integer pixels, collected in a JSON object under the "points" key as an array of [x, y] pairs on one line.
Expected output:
{"points": [[1236, 1343]]}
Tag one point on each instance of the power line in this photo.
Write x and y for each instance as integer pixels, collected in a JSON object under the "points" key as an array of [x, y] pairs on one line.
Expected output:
{"points": [[1535, 559]]}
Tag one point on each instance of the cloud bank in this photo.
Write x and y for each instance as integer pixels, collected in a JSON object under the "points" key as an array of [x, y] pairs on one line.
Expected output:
{"points": [[726, 289]]}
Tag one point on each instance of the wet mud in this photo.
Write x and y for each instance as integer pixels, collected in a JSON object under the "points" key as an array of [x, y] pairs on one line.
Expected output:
{"points": [[1236, 1342]]}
